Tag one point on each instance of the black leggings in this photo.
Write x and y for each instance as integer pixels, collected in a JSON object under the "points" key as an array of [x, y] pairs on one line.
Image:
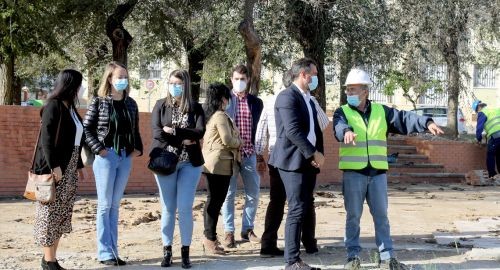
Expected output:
{"points": [[217, 187]]}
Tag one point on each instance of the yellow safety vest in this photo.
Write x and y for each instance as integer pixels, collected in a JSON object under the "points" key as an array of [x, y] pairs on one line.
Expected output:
{"points": [[492, 124], [371, 141]]}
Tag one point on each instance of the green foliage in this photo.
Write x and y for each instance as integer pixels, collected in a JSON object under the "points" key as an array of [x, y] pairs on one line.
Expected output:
{"points": [[135, 83], [25, 28], [412, 86], [266, 87]]}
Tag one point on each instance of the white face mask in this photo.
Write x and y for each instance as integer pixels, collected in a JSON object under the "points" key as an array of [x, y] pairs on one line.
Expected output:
{"points": [[240, 86]]}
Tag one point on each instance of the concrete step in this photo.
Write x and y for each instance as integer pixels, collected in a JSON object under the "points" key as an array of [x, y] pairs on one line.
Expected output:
{"points": [[415, 158], [410, 167], [402, 149], [396, 140], [425, 177]]}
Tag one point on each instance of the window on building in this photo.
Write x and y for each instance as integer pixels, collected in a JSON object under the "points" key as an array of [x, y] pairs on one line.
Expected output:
{"points": [[484, 76], [377, 93], [330, 76], [151, 70]]}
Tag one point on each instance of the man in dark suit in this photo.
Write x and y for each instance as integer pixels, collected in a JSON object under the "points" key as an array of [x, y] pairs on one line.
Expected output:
{"points": [[298, 153]]}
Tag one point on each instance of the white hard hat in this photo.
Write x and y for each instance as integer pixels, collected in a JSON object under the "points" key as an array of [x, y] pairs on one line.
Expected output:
{"points": [[358, 76]]}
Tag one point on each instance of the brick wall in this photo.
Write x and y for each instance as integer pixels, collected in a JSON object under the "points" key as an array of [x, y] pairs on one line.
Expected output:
{"points": [[455, 156], [19, 128]]}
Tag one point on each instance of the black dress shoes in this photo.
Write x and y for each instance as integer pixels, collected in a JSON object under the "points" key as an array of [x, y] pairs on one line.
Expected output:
{"points": [[114, 262]]}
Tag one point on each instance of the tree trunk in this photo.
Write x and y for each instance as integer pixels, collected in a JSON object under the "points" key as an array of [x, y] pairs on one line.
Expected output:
{"points": [[252, 47], [453, 92], [316, 52], [16, 90], [91, 89], [449, 49], [119, 36], [311, 26], [346, 63], [7, 91], [195, 62]]}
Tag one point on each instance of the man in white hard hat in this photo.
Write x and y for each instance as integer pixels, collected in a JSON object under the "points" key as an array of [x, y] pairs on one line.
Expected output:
{"points": [[361, 127]]}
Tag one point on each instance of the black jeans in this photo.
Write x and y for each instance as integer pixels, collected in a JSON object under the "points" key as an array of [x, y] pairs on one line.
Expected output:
{"points": [[217, 186], [299, 187], [275, 211], [493, 156]]}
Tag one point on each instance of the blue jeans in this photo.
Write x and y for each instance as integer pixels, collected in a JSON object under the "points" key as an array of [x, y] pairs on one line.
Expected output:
{"points": [[356, 188], [111, 176], [177, 192], [493, 156], [251, 183]]}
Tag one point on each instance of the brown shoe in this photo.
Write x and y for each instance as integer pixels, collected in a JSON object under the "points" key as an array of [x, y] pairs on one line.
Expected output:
{"points": [[229, 240], [250, 236], [212, 247]]}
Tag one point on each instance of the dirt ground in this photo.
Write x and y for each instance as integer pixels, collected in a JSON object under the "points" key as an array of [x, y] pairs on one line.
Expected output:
{"points": [[446, 226]]}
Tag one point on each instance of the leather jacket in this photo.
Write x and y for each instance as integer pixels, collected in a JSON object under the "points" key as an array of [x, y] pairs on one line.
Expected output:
{"points": [[97, 121]]}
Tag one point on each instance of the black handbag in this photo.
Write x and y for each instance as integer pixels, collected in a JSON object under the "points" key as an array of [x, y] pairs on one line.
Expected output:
{"points": [[162, 162]]}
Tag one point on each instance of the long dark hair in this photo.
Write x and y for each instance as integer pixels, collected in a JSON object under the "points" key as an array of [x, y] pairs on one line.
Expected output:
{"points": [[213, 102], [66, 87]]}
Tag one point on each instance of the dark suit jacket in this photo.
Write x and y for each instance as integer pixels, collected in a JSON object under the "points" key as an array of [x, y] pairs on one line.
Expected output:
{"points": [[162, 116], [292, 151]]}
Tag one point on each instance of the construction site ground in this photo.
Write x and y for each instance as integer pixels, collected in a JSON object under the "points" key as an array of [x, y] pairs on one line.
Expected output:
{"points": [[434, 226]]}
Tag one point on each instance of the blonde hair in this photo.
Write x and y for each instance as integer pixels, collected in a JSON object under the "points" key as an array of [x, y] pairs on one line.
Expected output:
{"points": [[186, 98], [105, 87]]}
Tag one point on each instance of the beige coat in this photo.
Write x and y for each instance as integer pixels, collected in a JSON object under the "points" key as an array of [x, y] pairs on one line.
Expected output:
{"points": [[221, 145]]}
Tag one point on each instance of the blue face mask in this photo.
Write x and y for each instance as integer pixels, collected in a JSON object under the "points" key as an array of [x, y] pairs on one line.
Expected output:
{"points": [[175, 90], [228, 105], [121, 84], [353, 100], [313, 84]]}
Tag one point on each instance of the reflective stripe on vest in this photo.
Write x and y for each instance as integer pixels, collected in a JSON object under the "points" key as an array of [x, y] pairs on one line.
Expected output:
{"points": [[492, 124], [371, 141]]}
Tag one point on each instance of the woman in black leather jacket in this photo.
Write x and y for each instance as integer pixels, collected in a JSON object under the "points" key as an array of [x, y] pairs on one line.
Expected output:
{"points": [[111, 128]]}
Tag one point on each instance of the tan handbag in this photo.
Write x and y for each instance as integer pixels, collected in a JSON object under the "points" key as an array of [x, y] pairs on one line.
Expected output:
{"points": [[41, 187]]}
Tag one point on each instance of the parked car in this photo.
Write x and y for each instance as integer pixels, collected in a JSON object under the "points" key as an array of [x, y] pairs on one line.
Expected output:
{"points": [[439, 115]]}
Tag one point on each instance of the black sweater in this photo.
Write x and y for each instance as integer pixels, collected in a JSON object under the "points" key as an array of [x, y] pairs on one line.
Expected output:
{"points": [[49, 155], [162, 116]]}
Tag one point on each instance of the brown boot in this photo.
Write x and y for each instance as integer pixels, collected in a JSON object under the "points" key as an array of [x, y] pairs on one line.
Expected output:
{"points": [[212, 247], [229, 240], [249, 235]]}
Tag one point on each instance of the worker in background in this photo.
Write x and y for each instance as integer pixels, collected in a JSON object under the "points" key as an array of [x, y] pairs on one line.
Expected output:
{"points": [[488, 119]]}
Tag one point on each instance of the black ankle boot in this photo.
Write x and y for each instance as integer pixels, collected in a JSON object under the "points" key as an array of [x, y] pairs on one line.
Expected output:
{"points": [[167, 256], [48, 265], [59, 267], [186, 263]]}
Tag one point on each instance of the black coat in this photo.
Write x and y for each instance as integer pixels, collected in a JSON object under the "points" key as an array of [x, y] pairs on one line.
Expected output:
{"points": [[50, 155], [162, 116]]}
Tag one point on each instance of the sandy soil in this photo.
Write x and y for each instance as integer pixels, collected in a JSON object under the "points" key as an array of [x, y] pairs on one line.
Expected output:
{"points": [[433, 227]]}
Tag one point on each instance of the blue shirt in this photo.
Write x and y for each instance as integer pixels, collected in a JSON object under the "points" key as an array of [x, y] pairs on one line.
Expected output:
{"points": [[481, 120]]}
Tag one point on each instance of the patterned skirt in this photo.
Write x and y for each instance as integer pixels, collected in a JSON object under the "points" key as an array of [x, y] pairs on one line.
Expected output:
{"points": [[53, 219]]}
